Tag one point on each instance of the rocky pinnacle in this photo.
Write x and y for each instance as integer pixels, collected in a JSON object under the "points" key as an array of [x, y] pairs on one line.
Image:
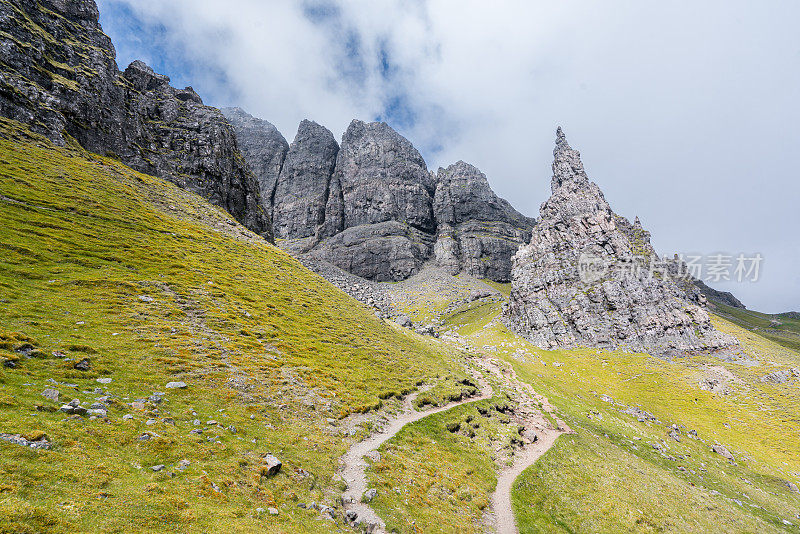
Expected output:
{"points": [[589, 277]]}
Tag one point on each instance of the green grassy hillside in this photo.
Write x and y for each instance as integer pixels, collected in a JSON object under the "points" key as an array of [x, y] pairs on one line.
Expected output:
{"points": [[152, 284], [611, 478], [782, 328]]}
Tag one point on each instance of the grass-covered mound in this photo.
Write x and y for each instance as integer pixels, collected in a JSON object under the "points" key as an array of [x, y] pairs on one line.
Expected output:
{"points": [[782, 328], [150, 284]]}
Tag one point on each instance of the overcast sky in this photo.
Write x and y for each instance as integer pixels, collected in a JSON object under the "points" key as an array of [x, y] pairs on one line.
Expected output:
{"points": [[686, 113]]}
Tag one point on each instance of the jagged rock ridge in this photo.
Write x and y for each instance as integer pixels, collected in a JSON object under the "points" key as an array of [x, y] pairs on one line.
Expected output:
{"points": [[59, 76], [585, 278], [372, 207]]}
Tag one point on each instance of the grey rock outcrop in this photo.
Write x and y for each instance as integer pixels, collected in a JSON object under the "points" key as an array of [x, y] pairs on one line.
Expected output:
{"points": [[302, 189], [383, 178], [715, 296], [478, 232], [385, 214], [586, 278], [59, 76], [263, 147], [379, 221]]}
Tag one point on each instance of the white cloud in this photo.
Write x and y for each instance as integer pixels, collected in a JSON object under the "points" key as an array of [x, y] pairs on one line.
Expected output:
{"points": [[686, 113]]}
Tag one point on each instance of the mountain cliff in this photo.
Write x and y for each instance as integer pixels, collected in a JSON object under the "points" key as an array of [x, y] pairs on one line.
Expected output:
{"points": [[589, 277], [373, 208], [59, 76]]}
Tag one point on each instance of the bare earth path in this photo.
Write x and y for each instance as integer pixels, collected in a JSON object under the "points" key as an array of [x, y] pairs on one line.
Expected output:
{"points": [[354, 465], [546, 435], [501, 498]]}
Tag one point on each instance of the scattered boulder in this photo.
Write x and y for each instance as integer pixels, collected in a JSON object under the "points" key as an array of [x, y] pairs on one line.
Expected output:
{"points": [[271, 466], [722, 451], [404, 321], [351, 516], [157, 468], [369, 495], [781, 377], [51, 394], [83, 365], [479, 294], [39, 440], [104, 380], [176, 385]]}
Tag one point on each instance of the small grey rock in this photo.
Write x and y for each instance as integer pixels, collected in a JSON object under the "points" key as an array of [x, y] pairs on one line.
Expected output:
{"points": [[157, 468], [404, 321], [369, 495], [51, 394], [722, 451], [176, 385]]}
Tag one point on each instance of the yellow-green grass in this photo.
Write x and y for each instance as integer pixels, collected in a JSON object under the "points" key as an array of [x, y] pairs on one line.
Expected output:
{"points": [[601, 479], [785, 332], [437, 474], [265, 346]]}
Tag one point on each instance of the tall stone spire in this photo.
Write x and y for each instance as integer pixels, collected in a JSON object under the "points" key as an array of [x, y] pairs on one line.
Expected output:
{"points": [[567, 166], [585, 279]]}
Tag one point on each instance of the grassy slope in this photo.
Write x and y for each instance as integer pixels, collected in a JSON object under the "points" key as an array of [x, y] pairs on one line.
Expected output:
{"points": [[786, 334], [604, 480], [266, 347], [608, 477]]}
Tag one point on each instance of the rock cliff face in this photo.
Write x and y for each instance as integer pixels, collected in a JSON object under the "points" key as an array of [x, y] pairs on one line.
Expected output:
{"points": [[591, 278], [379, 220], [371, 206], [59, 76], [478, 232], [302, 190], [264, 149]]}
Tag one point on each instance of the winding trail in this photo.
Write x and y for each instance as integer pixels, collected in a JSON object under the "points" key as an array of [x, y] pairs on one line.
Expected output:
{"points": [[354, 466], [501, 498], [546, 436]]}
